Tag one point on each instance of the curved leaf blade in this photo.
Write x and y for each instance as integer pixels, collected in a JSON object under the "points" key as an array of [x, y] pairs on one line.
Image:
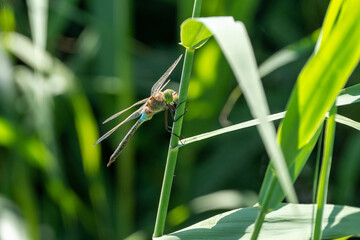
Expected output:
{"points": [[235, 44], [288, 221]]}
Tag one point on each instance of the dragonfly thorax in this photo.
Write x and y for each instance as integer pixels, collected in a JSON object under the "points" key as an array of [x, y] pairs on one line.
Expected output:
{"points": [[155, 104]]}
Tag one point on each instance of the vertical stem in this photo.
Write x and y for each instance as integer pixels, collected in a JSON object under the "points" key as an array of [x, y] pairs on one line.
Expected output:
{"points": [[315, 182], [259, 220], [172, 153], [196, 9], [325, 172], [317, 165], [264, 209]]}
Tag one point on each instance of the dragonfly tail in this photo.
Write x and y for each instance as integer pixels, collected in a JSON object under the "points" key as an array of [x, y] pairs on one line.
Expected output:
{"points": [[124, 141]]}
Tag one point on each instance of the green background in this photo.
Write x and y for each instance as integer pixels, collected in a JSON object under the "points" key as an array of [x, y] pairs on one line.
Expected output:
{"points": [[57, 183]]}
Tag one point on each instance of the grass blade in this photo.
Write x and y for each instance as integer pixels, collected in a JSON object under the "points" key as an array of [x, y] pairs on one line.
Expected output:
{"points": [[349, 95], [314, 94], [231, 128], [325, 172], [234, 42]]}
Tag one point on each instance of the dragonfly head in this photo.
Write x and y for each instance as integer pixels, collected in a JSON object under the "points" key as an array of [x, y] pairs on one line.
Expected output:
{"points": [[170, 96]]}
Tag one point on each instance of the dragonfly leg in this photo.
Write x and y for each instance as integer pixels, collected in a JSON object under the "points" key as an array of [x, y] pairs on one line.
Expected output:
{"points": [[186, 109], [169, 128], [173, 110], [179, 137], [178, 105]]}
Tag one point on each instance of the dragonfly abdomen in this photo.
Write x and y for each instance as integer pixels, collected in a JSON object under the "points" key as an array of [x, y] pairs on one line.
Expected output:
{"points": [[125, 141]]}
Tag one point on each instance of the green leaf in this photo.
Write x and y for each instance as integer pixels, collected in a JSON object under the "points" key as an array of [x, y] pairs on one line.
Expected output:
{"points": [[235, 44], [330, 19], [289, 221], [317, 88], [296, 166], [322, 78], [349, 95], [193, 34]]}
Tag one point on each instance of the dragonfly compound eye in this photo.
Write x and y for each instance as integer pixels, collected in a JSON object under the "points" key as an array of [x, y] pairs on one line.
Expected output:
{"points": [[169, 96]]}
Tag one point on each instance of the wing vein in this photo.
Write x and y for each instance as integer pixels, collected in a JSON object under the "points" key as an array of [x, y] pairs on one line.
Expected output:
{"points": [[130, 117], [157, 86], [121, 112]]}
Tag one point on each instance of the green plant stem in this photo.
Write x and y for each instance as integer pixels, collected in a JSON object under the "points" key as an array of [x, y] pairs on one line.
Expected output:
{"points": [[317, 165], [316, 179], [263, 210], [259, 221], [196, 9], [325, 172], [172, 154]]}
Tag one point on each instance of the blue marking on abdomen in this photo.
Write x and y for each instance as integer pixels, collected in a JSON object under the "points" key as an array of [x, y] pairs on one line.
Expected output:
{"points": [[143, 117]]}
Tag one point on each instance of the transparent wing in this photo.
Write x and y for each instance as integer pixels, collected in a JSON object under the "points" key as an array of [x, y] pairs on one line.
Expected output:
{"points": [[163, 86], [157, 86], [119, 113], [132, 116]]}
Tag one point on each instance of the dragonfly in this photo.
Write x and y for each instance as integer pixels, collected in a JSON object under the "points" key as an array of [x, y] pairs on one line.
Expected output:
{"points": [[158, 101]]}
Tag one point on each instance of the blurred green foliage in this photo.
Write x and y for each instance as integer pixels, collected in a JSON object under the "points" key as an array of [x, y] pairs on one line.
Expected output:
{"points": [[89, 59]]}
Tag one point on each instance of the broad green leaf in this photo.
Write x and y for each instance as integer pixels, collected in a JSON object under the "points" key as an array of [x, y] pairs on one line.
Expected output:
{"points": [[193, 34], [330, 18], [235, 44], [288, 221], [317, 88], [320, 81]]}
